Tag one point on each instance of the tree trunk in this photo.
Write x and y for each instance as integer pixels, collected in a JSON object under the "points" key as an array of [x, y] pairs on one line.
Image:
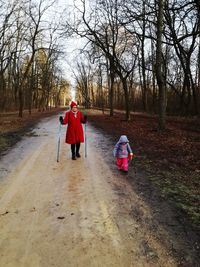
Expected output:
{"points": [[159, 69], [144, 84], [21, 102], [126, 95], [198, 79], [110, 75]]}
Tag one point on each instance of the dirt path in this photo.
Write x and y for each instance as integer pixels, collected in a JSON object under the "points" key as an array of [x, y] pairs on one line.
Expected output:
{"points": [[72, 213]]}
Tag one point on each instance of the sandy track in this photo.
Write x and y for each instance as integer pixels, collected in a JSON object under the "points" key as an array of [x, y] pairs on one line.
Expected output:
{"points": [[67, 214]]}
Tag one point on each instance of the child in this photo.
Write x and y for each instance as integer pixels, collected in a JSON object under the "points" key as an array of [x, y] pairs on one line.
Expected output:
{"points": [[122, 152]]}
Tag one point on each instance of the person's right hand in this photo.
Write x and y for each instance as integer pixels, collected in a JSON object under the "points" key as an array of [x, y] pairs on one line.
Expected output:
{"points": [[61, 119]]}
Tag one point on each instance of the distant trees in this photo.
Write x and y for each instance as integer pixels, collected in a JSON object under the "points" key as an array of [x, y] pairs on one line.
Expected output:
{"points": [[182, 33], [149, 52], [29, 52], [113, 42], [84, 82], [140, 55]]}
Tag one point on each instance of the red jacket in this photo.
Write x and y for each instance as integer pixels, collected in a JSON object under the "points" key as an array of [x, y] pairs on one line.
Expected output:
{"points": [[74, 132]]}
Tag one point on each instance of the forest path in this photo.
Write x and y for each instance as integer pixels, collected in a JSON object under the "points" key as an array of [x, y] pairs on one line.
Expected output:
{"points": [[72, 213]]}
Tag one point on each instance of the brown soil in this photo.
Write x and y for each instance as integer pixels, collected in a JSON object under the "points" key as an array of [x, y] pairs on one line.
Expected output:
{"points": [[178, 145], [11, 122], [13, 127]]}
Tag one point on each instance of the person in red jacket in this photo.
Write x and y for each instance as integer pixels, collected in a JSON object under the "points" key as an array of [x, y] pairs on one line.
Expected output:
{"points": [[74, 133]]}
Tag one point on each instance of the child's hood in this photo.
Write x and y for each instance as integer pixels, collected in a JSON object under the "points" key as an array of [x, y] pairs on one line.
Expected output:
{"points": [[123, 139]]}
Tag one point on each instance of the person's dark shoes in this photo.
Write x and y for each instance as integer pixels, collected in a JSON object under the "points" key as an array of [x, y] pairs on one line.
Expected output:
{"points": [[73, 157], [78, 155], [123, 171]]}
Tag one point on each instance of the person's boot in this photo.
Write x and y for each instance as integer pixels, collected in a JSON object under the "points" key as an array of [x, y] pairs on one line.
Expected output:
{"points": [[73, 157], [73, 151], [77, 150], [78, 155]]}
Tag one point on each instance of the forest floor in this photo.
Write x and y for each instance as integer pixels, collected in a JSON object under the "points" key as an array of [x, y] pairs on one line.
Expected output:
{"points": [[148, 217], [171, 158], [13, 127]]}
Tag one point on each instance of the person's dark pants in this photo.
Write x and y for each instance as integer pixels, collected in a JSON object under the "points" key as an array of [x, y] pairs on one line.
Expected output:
{"points": [[75, 150]]}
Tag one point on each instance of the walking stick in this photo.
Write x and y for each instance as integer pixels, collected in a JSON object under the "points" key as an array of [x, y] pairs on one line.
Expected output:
{"points": [[58, 148], [85, 133], [85, 142]]}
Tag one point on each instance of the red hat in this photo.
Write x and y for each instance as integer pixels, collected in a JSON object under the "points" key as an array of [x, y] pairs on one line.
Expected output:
{"points": [[73, 104]]}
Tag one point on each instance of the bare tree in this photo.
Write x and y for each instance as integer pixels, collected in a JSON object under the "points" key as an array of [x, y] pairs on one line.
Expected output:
{"points": [[24, 32], [102, 28], [159, 66], [183, 28], [6, 37], [35, 13], [83, 78]]}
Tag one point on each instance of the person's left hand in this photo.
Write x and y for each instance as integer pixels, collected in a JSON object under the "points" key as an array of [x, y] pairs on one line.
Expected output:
{"points": [[131, 156]]}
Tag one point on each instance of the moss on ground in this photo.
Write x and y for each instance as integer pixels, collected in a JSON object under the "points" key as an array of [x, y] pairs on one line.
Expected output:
{"points": [[184, 196], [7, 140]]}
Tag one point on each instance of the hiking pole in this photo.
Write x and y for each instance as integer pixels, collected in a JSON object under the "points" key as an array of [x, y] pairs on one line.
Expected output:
{"points": [[85, 131], [85, 142], [58, 148]]}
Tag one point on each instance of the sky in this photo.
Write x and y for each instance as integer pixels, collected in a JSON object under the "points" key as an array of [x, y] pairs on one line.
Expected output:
{"points": [[70, 46]]}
